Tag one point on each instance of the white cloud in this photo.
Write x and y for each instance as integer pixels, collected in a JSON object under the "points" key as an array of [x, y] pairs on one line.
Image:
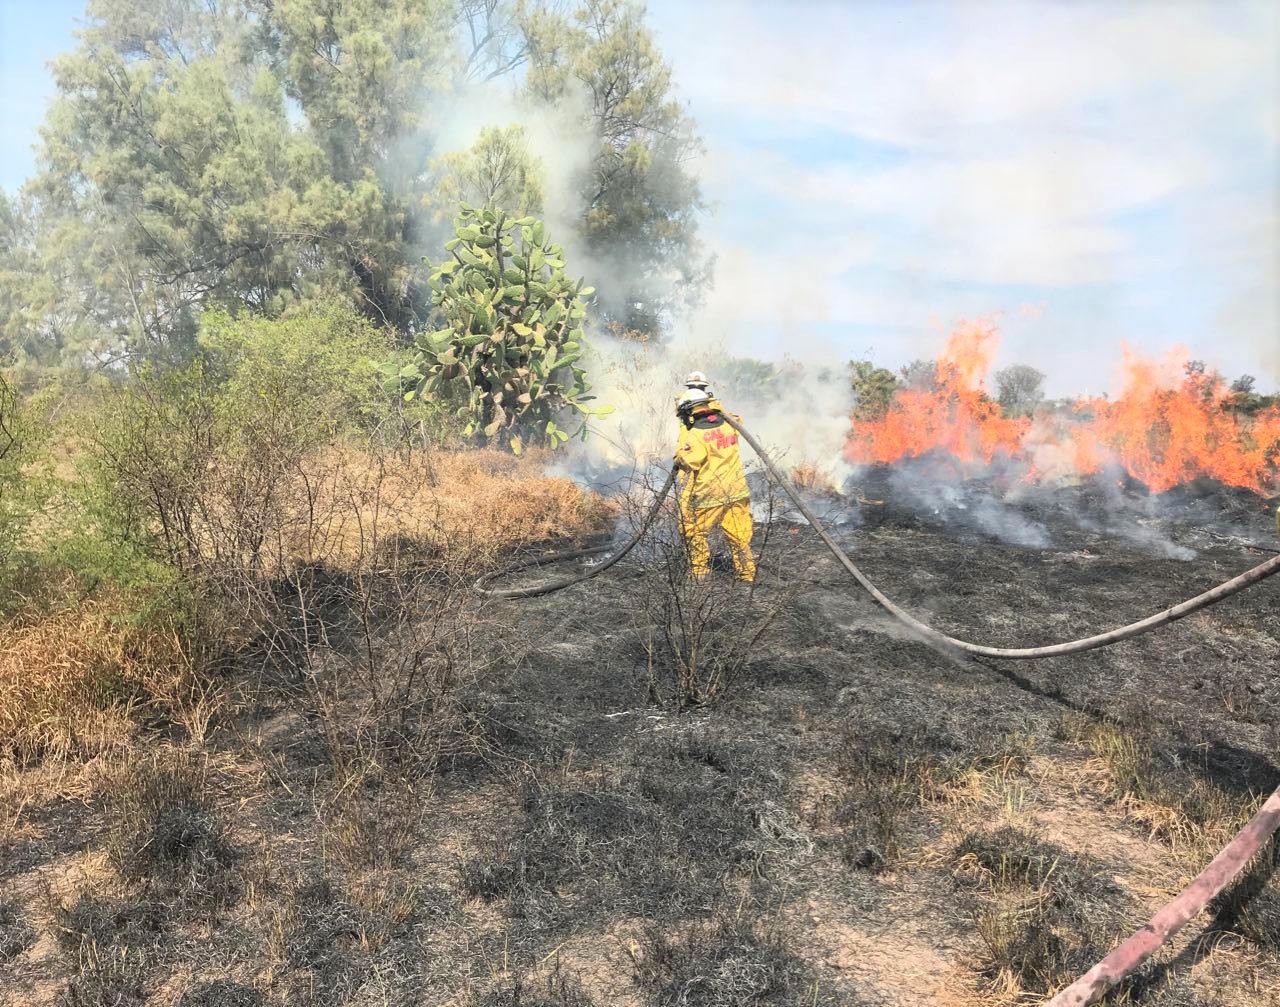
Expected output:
{"points": [[895, 166]]}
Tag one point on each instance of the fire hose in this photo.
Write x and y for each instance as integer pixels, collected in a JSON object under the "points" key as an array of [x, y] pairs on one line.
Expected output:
{"points": [[926, 633], [1173, 916], [482, 584], [1192, 900], [951, 644]]}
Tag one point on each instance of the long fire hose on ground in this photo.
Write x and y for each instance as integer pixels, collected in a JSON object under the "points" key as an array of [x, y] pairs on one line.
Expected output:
{"points": [[1190, 902], [1174, 915], [952, 644], [935, 638], [482, 587]]}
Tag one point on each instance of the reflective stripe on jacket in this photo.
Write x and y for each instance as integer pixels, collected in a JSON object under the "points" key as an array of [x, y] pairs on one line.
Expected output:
{"points": [[709, 452]]}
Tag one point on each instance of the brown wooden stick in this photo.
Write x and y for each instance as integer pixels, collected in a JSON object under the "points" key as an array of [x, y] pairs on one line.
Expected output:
{"points": [[1091, 986]]}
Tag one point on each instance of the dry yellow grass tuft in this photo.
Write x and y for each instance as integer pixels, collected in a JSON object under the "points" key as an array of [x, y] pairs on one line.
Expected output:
{"points": [[808, 476], [70, 679], [482, 499], [346, 505], [1185, 810]]}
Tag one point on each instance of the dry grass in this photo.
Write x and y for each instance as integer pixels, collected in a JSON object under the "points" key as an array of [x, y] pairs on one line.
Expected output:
{"points": [[71, 680], [485, 501], [1047, 914], [810, 477], [162, 824], [1177, 807], [331, 504]]}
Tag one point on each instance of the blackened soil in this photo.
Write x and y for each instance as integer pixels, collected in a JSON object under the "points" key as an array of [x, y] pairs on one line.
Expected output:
{"points": [[851, 821], [640, 830]]}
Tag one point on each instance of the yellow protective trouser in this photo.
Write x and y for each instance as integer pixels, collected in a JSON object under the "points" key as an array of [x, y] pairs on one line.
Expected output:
{"points": [[735, 521]]}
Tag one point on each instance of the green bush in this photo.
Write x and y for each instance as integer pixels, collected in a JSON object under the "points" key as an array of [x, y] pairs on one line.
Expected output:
{"points": [[315, 372], [873, 389], [194, 465], [11, 516], [507, 357]]}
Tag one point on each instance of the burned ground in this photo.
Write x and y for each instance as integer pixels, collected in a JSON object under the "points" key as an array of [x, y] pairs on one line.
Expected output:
{"points": [[854, 819]]}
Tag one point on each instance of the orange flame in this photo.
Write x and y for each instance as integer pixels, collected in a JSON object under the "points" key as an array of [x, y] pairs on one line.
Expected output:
{"points": [[954, 416], [1169, 425]]}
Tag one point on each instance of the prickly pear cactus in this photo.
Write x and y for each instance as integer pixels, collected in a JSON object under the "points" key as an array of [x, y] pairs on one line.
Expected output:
{"points": [[510, 350]]}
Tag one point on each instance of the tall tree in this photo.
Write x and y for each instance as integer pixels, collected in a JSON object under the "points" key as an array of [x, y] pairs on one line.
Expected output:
{"points": [[254, 153], [195, 156], [497, 172], [1019, 389], [640, 198]]}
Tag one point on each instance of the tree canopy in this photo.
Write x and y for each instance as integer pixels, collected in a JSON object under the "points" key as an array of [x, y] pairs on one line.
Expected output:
{"points": [[258, 153]]}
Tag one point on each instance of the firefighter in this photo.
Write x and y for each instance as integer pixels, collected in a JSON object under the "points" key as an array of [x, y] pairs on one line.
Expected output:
{"points": [[714, 493]]}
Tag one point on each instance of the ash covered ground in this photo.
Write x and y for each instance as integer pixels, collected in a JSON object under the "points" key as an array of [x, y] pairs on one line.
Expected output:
{"points": [[798, 795], [855, 819]]}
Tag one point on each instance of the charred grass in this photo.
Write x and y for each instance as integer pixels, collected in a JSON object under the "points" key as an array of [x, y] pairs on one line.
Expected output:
{"points": [[662, 835], [397, 794], [727, 963], [1045, 916]]}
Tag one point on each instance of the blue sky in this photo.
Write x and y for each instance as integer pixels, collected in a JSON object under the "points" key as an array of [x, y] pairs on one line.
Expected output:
{"points": [[1088, 173], [32, 32]]}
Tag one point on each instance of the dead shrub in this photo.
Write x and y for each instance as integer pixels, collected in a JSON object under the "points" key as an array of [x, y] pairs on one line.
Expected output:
{"points": [[725, 963], [387, 682], [697, 637], [163, 825]]}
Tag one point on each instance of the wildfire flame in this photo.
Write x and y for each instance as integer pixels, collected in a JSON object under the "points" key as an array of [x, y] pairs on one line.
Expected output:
{"points": [[1171, 424]]}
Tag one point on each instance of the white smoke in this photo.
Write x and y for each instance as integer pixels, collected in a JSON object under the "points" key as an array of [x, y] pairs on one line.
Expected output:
{"points": [[802, 418], [555, 138]]}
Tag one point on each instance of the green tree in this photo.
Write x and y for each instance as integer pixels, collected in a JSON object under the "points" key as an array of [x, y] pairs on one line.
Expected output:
{"points": [[1019, 389], [742, 379], [260, 153], [514, 334], [228, 153], [361, 71], [640, 200], [497, 171], [920, 375], [873, 389]]}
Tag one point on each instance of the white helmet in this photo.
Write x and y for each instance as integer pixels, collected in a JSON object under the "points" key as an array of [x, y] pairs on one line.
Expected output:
{"points": [[690, 400], [696, 379]]}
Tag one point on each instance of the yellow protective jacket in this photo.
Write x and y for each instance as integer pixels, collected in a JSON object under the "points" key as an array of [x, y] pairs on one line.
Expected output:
{"points": [[708, 451]]}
